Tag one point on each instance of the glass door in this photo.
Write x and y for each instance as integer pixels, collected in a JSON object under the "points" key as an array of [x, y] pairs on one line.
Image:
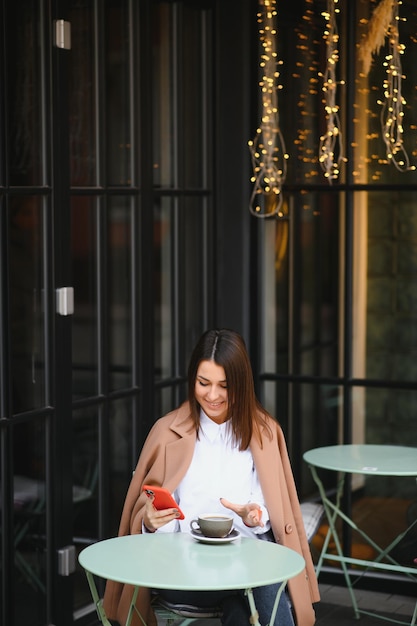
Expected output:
{"points": [[106, 219], [36, 495]]}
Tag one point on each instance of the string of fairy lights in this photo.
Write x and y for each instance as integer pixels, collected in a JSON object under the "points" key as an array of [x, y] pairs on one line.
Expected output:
{"points": [[267, 149], [331, 153], [392, 112], [268, 152]]}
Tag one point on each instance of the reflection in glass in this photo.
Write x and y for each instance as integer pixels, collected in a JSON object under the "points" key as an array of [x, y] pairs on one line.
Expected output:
{"points": [[194, 226], [118, 97], [180, 86], [119, 292], [85, 488], [164, 213], [163, 56], [196, 95], [179, 232], [82, 95], [300, 260], [26, 306], [84, 266], [121, 414], [390, 419], [309, 414], [387, 270], [166, 399], [30, 506], [24, 56]]}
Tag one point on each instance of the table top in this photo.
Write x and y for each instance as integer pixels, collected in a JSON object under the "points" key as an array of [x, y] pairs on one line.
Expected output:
{"points": [[177, 561], [380, 460]]}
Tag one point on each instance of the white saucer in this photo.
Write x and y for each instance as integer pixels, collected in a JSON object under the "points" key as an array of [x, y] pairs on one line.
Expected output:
{"points": [[232, 536]]}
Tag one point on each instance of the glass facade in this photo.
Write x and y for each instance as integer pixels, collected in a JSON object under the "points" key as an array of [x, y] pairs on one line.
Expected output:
{"points": [[123, 165], [337, 267]]}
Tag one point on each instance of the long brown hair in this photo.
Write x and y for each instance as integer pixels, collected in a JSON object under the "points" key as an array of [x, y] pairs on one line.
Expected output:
{"points": [[227, 348]]}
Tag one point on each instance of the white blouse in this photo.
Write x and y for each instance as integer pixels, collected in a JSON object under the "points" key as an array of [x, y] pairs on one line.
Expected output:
{"points": [[218, 470]]}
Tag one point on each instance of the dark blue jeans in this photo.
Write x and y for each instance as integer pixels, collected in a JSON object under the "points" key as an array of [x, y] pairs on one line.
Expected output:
{"points": [[235, 606]]}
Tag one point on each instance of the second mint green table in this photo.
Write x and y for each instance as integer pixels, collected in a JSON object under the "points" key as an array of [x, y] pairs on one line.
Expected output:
{"points": [[372, 460], [177, 561]]}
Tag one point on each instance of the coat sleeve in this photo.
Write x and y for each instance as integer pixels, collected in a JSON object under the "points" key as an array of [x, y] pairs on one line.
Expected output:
{"points": [[155, 466], [275, 473], [117, 596]]}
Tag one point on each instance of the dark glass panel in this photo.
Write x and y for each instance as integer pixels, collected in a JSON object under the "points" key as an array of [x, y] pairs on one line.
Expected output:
{"points": [[30, 506], [194, 268], [164, 229], [25, 77], [82, 103], [85, 490], [309, 415], [84, 267], [388, 269], [300, 261], [120, 292], [164, 95], [26, 306], [165, 401], [122, 461], [195, 96], [179, 234], [118, 114]]}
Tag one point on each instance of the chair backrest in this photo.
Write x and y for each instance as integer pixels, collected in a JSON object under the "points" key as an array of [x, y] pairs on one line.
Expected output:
{"points": [[312, 513]]}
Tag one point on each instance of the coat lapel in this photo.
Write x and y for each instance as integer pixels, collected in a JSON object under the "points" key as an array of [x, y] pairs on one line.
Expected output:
{"points": [[179, 453]]}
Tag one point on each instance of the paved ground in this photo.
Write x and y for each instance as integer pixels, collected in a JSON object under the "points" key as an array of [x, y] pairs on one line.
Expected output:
{"points": [[335, 608]]}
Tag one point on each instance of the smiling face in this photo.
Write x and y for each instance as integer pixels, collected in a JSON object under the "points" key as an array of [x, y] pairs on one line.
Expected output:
{"points": [[211, 391]]}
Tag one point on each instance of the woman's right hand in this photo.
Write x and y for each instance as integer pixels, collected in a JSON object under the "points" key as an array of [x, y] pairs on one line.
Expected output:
{"points": [[154, 519]]}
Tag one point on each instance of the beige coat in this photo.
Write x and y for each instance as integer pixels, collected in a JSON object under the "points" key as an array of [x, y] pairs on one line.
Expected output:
{"points": [[164, 460]]}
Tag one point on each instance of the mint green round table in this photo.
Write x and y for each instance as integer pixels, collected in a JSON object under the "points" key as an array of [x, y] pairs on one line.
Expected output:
{"points": [[369, 459], [178, 561], [365, 459]]}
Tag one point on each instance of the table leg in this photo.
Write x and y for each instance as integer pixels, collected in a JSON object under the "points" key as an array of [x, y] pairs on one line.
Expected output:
{"points": [[254, 617], [99, 604], [97, 600], [332, 512]]}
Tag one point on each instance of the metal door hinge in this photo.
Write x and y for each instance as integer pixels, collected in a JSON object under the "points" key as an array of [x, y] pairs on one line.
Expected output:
{"points": [[65, 300], [63, 34], [66, 561]]}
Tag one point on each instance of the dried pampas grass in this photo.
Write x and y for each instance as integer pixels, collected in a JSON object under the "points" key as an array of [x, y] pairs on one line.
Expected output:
{"points": [[378, 28]]}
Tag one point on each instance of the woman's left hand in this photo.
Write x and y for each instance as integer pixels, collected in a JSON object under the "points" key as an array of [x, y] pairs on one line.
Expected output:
{"points": [[250, 513]]}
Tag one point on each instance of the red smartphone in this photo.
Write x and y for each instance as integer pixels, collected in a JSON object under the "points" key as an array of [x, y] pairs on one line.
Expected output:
{"points": [[163, 499]]}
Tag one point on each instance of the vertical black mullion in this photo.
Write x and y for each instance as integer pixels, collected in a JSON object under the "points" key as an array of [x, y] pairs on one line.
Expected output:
{"points": [[348, 292], [177, 205], [136, 285], [51, 380], [101, 200], [208, 303], [293, 425], [59, 456], [6, 461], [143, 420], [7, 579], [101, 239], [55, 220]]}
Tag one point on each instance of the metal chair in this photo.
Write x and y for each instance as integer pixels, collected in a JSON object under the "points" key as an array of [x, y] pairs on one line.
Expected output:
{"points": [[171, 612]]}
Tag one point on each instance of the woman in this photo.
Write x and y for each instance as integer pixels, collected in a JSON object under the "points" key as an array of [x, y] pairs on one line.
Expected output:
{"points": [[220, 451]]}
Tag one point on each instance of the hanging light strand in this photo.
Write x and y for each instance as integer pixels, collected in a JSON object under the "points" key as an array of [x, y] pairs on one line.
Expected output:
{"points": [[267, 149], [331, 151], [392, 113]]}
